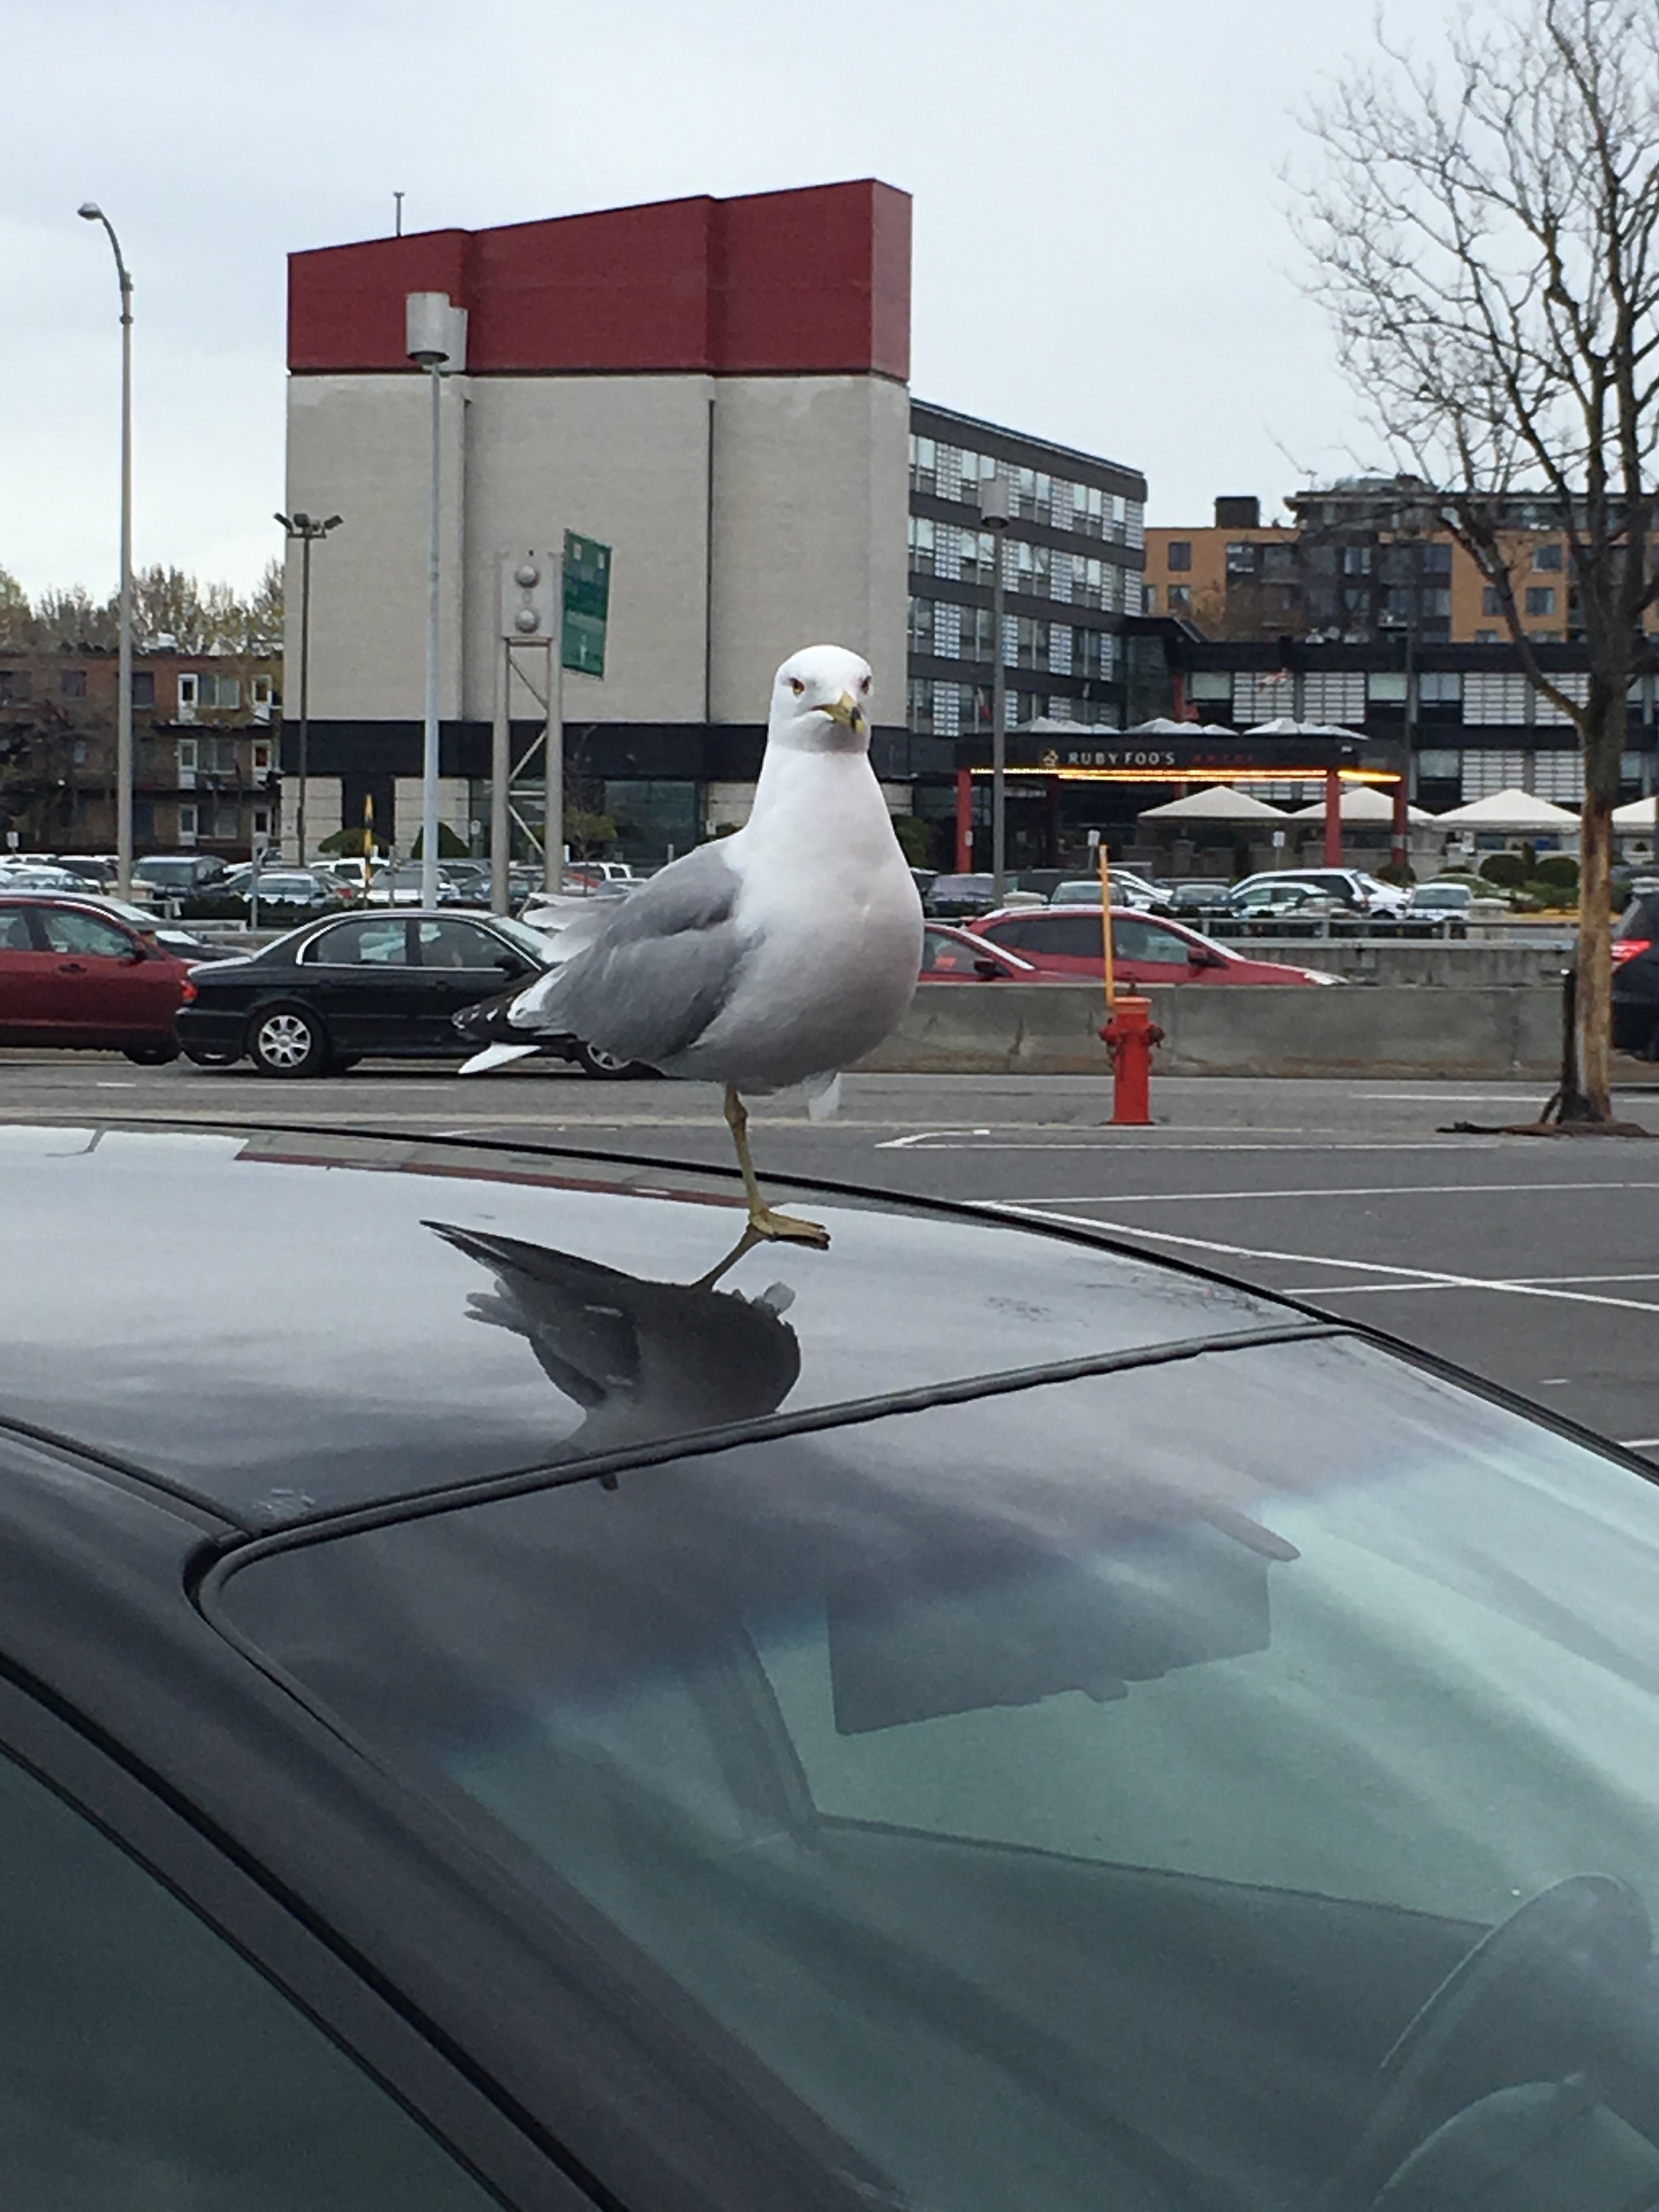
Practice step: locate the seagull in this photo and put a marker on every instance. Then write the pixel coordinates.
(764, 961)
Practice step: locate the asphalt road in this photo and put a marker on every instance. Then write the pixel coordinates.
(1533, 1261)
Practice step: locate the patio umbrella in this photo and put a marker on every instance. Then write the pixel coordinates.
(1213, 802)
(1637, 814)
(1513, 810)
(1361, 803)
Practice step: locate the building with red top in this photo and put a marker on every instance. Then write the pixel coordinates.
(718, 390)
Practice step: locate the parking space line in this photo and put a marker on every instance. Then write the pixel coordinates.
(1436, 1278)
(1339, 1190)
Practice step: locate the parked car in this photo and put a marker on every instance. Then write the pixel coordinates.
(174, 937)
(1146, 948)
(401, 886)
(1443, 899)
(1636, 977)
(956, 956)
(949, 898)
(975, 1718)
(1275, 900)
(1199, 894)
(1351, 887)
(278, 887)
(1128, 890)
(76, 975)
(359, 985)
(178, 875)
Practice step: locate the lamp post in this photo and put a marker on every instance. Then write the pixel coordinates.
(91, 212)
(1398, 832)
(994, 513)
(435, 338)
(307, 529)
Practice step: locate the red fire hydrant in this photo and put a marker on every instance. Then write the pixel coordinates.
(1130, 1037)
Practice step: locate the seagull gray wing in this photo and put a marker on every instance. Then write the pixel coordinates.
(651, 979)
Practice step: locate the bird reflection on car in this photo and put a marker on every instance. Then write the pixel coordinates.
(643, 1358)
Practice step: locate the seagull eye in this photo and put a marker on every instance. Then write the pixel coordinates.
(865, 687)
(797, 686)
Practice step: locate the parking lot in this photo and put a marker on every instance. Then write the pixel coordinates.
(1535, 1262)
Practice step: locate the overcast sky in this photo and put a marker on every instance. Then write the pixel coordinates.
(1101, 250)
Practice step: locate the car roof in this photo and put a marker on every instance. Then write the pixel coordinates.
(282, 1323)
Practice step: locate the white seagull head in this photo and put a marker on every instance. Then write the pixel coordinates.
(821, 702)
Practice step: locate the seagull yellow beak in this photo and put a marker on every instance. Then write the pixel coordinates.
(848, 712)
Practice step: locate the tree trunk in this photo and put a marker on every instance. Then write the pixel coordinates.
(1595, 1040)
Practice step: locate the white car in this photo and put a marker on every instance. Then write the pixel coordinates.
(1346, 887)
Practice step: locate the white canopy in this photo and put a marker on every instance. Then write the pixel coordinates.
(1361, 802)
(1513, 809)
(1213, 802)
(1285, 727)
(1637, 814)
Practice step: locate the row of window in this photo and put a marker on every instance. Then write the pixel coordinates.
(950, 710)
(202, 689)
(1046, 572)
(949, 632)
(1291, 556)
(217, 756)
(1342, 696)
(957, 472)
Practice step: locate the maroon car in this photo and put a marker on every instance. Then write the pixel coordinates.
(77, 975)
(1065, 940)
(955, 956)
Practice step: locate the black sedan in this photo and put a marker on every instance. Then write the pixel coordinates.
(1636, 977)
(513, 1708)
(337, 991)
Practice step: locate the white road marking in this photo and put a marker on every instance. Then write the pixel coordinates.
(1340, 1190)
(1437, 1276)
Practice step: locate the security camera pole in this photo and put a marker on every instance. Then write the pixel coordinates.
(435, 335)
(91, 212)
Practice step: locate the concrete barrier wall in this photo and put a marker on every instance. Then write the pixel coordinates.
(1432, 960)
(1386, 1030)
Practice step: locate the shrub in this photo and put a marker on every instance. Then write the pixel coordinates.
(1558, 871)
(1508, 870)
(1396, 871)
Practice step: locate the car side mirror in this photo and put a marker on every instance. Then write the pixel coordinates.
(509, 964)
(988, 970)
(1202, 955)
(134, 954)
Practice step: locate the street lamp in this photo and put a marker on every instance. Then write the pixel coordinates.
(435, 336)
(91, 212)
(994, 513)
(308, 530)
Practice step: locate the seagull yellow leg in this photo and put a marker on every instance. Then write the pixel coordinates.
(765, 1225)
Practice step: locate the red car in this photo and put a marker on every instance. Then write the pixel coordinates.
(955, 955)
(1065, 940)
(74, 975)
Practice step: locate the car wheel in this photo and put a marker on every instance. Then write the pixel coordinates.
(288, 1041)
(608, 1067)
(150, 1055)
(201, 1055)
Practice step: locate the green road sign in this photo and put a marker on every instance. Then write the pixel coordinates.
(587, 602)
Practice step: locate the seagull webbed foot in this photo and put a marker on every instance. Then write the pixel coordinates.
(767, 1225)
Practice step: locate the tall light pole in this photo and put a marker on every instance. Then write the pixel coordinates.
(308, 530)
(436, 336)
(994, 513)
(91, 212)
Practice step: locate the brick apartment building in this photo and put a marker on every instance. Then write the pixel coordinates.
(205, 751)
(1357, 563)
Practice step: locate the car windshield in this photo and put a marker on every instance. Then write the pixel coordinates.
(529, 941)
(1068, 1797)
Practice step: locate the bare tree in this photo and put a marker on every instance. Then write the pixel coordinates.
(1484, 235)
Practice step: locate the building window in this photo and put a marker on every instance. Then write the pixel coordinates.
(1030, 642)
(143, 687)
(263, 696)
(1181, 599)
(263, 756)
(1541, 599)
(1440, 687)
(1093, 653)
(1240, 559)
(187, 823)
(261, 822)
(186, 760)
(14, 686)
(921, 543)
(921, 625)
(1435, 602)
(1151, 598)
(1546, 557)
(1089, 509)
(978, 636)
(1356, 560)
(72, 683)
(1032, 564)
(1492, 601)
(1485, 637)
(1180, 554)
(921, 706)
(924, 465)
(1386, 685)
(1437, 559)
